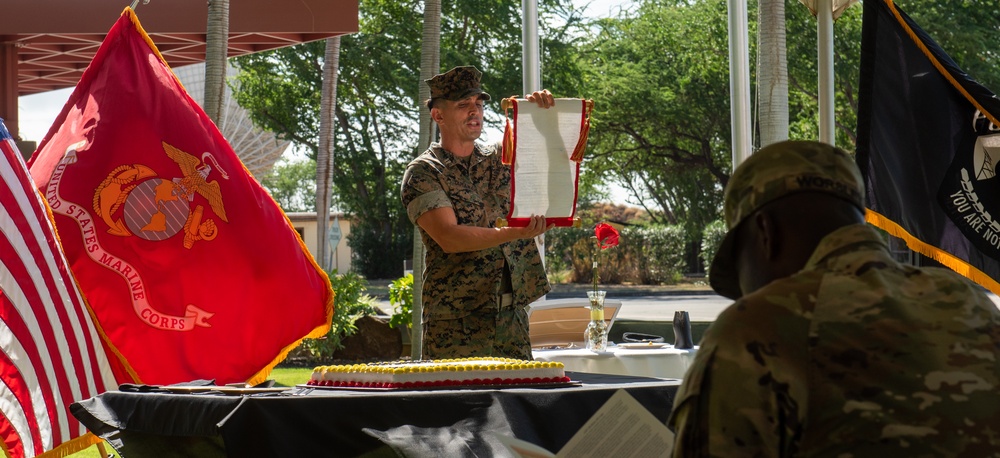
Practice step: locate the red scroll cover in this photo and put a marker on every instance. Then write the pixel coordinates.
(191, 268)
(544, 148)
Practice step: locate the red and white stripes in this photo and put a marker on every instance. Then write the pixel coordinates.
(52, 354)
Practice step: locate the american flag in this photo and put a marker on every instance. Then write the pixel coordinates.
(52, 351)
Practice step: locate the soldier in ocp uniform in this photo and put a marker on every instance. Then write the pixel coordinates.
(478, 279)
(833, 348)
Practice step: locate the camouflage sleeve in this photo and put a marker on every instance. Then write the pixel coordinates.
(421, 191)
(527, 272)
(686, 420)
(740, 397)
(499, 178)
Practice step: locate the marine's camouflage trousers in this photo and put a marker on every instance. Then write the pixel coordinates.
(490, 331)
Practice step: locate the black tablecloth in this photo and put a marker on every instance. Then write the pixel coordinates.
(346, 423)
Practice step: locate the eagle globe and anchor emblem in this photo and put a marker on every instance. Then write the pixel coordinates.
(154, 208)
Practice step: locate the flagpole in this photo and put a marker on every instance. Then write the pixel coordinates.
(531, 65)
(531, 73)
(739, 80)
(824, 46)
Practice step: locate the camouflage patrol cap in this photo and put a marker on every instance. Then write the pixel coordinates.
(457, 84)
(773, 172)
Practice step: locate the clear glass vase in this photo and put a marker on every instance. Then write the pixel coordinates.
(595, 337)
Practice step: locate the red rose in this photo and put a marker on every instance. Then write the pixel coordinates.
(607, 235)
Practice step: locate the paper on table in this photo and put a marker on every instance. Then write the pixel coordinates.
(621, 428)
(544, 180)
(524, 449)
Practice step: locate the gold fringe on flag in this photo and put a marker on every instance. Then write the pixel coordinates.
(71, 446)
(878, 220)
(317, 333)
(947, 259)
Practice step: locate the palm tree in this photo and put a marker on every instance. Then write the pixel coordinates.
(324, 155)
(772, 68)
(216, 45)
(430, 63)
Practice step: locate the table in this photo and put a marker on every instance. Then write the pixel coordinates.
(666, 362)
(333, 422)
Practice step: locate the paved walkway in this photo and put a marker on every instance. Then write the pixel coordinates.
(654, 303)
(657, 303)
(580, 289)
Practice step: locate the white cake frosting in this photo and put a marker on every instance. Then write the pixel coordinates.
(440, 373)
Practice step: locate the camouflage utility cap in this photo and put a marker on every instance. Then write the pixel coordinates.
(773, 172)
(457, 84)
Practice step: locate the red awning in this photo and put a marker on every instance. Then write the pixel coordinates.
(53, 48)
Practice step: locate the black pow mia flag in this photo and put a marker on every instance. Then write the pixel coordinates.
(928, 147)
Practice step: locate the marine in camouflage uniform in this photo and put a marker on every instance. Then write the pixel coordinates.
(464, 308)
(855, 355)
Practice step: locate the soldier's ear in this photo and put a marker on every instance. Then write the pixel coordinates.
(436, 115)
(767, 235)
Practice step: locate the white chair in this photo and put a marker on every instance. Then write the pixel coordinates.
(561, 322)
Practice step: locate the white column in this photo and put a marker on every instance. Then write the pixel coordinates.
(739, 80)
(531, 70)
(824, 46)
(530, 58)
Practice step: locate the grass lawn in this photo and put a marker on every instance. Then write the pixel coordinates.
(291, 376)
(283, 376)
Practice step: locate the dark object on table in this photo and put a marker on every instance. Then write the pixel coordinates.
(682, 331)
(640, 337)
(141, 388)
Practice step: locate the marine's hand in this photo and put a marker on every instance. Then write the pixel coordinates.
(543, 98)
(534, 228)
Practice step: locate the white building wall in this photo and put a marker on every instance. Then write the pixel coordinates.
(305, 224)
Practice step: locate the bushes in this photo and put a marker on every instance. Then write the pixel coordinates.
(644, 255)
(559, 248)
(710, 241)
(660, 252)
(350, 303)
(378, 250)
(401, 298)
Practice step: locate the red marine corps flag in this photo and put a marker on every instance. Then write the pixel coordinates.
(52, 354)
(190, 266)
(928, 147)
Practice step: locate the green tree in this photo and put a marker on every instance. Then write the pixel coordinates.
(373, 113)
(803, 97)
(661, 127)
(377, 102)
(292, 185)
(660, 75)
(966, 30)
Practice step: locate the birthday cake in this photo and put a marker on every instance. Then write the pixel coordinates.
(440, 373)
